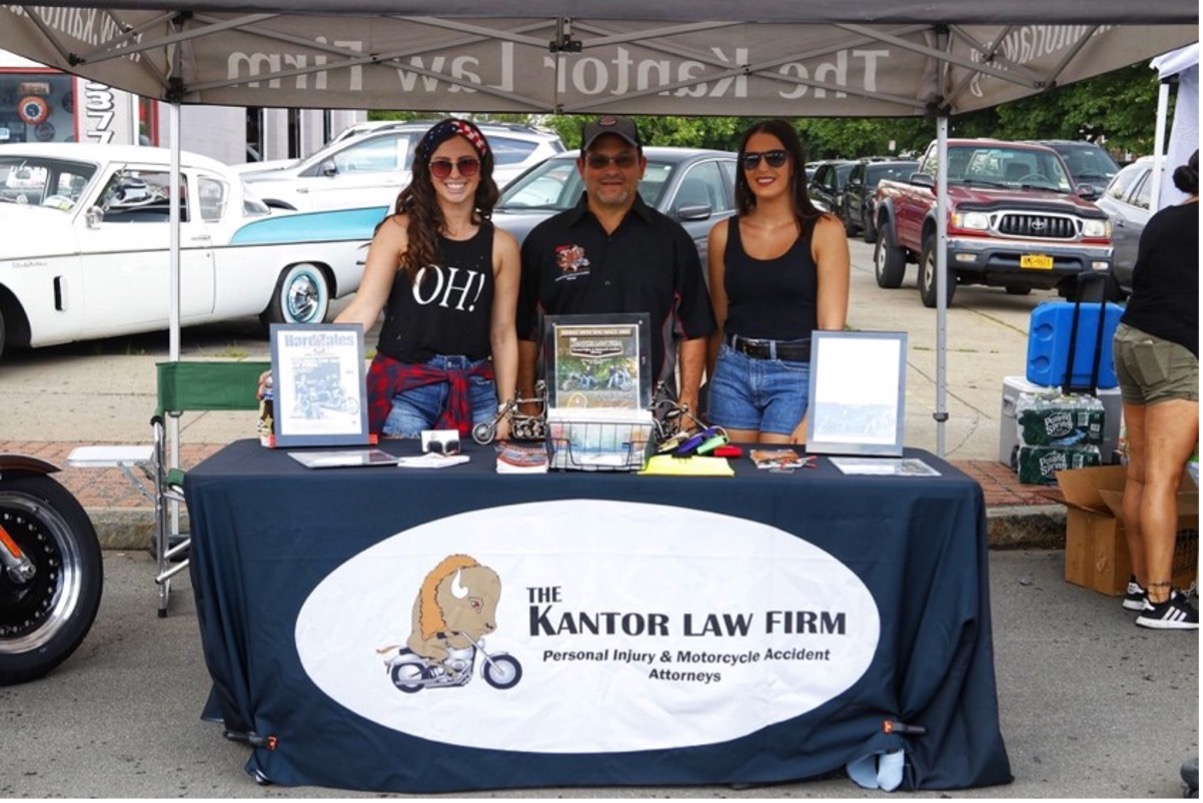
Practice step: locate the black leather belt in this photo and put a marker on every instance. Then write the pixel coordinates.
(790, 350)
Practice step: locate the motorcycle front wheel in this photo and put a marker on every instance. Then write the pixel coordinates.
(44, 618)
(502, 672)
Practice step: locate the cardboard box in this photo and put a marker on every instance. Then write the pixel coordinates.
(1096, 548)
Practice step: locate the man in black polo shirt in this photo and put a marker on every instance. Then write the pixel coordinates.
(614, 253)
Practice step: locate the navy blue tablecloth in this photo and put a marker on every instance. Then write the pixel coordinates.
(267, 531)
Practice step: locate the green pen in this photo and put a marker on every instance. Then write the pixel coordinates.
(712, 444)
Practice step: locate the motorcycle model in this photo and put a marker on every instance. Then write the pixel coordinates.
(51, 572)
(411, 672)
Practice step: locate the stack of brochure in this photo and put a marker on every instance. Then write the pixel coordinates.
(513, 458)
(777, 458)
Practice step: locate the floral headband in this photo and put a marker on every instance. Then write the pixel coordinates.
(445, 130)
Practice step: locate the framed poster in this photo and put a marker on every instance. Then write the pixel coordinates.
(857, 393)
(598, 362)
(318, 382)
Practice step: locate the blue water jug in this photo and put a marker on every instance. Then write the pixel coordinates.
(1049, 336)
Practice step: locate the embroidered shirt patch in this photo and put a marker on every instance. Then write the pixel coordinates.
(571, 261)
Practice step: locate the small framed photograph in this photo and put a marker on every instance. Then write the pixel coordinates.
(857, 393)
(598, 362)
(318, 385)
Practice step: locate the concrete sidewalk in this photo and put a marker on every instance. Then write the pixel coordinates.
(1018, 515)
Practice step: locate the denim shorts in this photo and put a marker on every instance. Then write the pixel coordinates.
(419, 408)
(1152, 370)
(758, 394)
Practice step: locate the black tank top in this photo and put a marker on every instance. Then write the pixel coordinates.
(772, 299)
(446, 310)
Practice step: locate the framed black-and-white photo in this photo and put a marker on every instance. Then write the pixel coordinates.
(857, 393)
(318, 385)
(598, 362)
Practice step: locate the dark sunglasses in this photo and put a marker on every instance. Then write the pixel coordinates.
(467, 165)
(623, 161)
(751, 159)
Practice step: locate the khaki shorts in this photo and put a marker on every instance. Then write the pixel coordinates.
(1152, 370)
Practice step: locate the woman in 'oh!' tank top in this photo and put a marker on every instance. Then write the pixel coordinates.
(778, 271)
(447, 281)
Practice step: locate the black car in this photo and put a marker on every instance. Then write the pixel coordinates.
(828, 182)
(856, 204)
(692, 186)
(1090, 167)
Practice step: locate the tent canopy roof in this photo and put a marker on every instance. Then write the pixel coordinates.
(786, 57)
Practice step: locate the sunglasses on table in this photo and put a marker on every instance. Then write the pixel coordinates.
(623, 161)
(467, 165)
(751, 159)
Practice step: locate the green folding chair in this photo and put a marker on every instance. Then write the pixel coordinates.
(186, 387)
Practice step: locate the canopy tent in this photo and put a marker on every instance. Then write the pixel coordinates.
(1181, 66)
(790, 58)
(797, 58)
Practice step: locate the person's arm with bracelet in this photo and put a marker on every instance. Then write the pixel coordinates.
(691, 360)
(527, 323)
(503, 338)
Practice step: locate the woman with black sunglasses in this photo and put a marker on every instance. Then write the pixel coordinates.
(447, 281)
(778, 271)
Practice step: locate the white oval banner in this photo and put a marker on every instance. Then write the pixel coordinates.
(611, 626)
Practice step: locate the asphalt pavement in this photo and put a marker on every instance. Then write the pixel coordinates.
(1091, 706)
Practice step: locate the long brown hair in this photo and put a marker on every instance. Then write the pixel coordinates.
(745, 199)
(420, 202)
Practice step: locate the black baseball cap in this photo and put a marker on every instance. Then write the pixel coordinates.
(609, 124)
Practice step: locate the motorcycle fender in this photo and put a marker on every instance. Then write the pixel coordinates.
(12, 465)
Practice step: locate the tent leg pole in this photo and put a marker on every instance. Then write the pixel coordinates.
(1163, 105)
(173, 292)
(942, 279)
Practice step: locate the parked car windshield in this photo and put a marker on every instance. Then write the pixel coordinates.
(556, 185)
(53, 183)
(992, 166)
(1089, 163)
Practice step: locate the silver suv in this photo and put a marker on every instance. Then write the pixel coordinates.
(370, 166)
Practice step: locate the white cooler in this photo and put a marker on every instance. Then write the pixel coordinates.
(1008, 434)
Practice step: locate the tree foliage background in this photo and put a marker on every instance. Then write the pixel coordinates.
(1118, 110)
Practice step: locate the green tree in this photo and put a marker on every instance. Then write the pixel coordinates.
(1117, 109)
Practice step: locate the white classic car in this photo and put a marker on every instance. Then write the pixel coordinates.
(85, 236)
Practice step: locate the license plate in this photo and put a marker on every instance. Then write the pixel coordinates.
(1036, 261)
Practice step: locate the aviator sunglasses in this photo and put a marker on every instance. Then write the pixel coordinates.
(751, 159)
(468, 167)
(623, 161)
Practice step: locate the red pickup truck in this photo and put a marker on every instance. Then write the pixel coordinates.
(1015, 221)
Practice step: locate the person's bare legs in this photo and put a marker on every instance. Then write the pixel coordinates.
(1171, 431)
(742, 435)
(1134, 483)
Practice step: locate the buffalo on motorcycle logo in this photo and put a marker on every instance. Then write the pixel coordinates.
(454, 610)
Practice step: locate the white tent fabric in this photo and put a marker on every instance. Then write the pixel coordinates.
(1184, 133)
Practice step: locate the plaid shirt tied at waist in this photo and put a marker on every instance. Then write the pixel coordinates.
(387, 377)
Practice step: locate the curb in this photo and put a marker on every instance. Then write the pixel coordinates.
(1026, 527)
(1020, 527)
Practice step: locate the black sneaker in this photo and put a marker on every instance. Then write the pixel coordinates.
(1173, 614)
(1134, 600)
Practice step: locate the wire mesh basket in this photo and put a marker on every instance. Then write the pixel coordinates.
(585, 444)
